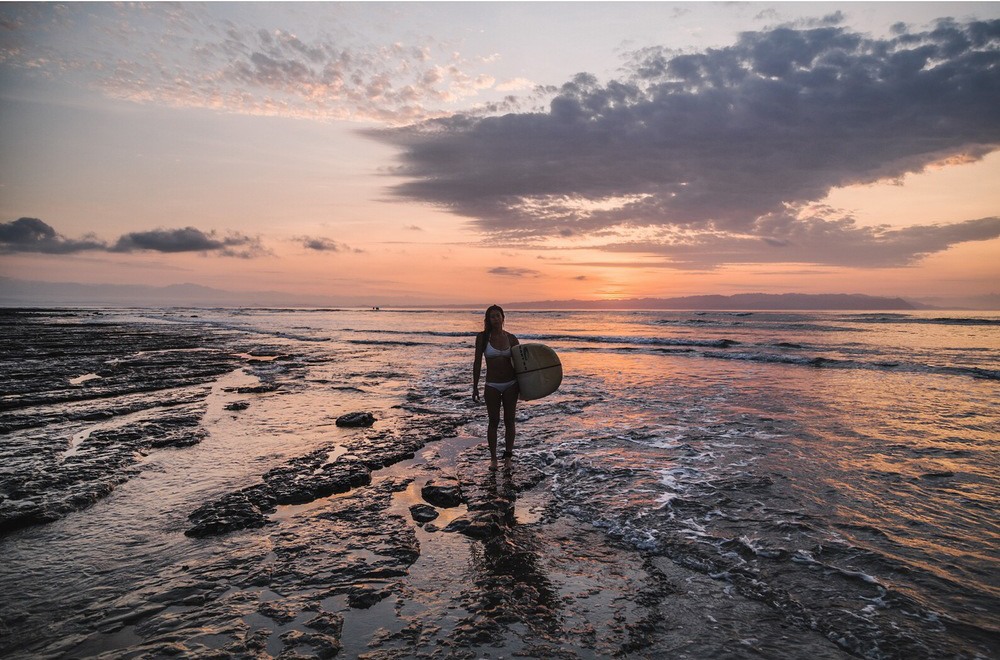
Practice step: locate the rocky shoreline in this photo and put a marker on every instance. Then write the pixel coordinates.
(510, 574)
(75, 372)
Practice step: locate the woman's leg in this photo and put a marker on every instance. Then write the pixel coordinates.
(509, 420)
(493, 408)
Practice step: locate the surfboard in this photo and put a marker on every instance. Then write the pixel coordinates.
(538, 370)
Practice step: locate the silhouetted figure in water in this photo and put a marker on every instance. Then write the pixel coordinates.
(501, 391)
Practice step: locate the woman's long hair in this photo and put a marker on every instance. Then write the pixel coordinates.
(486, 321)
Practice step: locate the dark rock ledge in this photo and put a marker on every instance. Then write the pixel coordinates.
(352, 553)
(39, 359)
(43, 483)
(307, 478)
(301, 481)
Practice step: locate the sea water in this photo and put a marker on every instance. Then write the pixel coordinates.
(842, 467)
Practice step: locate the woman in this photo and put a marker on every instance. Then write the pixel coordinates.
(501, 384)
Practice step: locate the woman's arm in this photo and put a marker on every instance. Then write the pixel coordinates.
(477, 367)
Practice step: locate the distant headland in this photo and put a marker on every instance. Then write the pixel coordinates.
(751, 301)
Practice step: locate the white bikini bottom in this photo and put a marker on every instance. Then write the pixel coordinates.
(502, 387)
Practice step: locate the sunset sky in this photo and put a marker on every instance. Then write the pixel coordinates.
(412, 153)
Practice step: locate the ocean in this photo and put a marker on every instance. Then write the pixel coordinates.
(838, 471)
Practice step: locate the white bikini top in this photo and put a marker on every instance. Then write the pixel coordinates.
(491, 352)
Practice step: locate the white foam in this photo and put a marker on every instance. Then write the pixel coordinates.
(673, 442)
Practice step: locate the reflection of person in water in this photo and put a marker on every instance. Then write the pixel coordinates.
(494, 343)
(511, 585)
(501, 497)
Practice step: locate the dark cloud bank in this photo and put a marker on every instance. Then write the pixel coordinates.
(190, 239)
(719, 156)
(34, 235)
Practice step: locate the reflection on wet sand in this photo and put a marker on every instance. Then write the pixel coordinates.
(510, 583)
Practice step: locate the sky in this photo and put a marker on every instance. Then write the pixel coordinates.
(382, 153)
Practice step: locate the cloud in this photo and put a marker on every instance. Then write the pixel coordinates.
(322, 244)
(623, 264)
(191, 56)
(506, 271)
(721, 147)
(835, 18)
(190, 239)
(413, 228)
(33, 235)
(515, 85)
(784, 239)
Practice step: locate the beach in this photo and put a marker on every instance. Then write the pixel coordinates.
(703, 485)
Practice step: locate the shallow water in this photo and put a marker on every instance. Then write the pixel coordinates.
(841, 468)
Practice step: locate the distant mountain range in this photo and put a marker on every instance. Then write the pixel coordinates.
(30, 293)
(754, 301)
